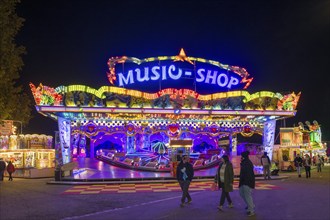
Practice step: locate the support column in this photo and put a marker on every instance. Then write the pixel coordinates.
(146, 141)
(233, 144)
(58, 150)
(91, 153)
(130, 144)
(64, 127)
(269, 137)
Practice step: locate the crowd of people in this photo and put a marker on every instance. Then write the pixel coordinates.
(224, 177)
(306, 162)
(224, 180)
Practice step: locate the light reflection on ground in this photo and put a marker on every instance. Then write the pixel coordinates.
(95, 169)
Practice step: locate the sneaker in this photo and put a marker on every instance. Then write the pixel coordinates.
(231, 205)
(220, 208)
(189, 201)
(250, 214)
(181, 205)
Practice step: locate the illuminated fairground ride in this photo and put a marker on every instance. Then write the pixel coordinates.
(181, 107)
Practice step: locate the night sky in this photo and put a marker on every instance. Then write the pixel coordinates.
(284, 45)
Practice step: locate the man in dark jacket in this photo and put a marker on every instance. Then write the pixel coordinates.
(298, 162)
(247, 182)
(185, 173)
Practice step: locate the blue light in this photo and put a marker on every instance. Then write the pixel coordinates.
(177, 111)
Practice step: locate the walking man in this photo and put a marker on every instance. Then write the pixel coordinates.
(247, 182)
(318, 160)
(265, 161)
(307, 165)
(185, 173)
(298, 161)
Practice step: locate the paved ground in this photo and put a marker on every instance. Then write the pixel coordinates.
(153, 187)
(290, 198)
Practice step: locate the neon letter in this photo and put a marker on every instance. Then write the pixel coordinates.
(210, 76)
(164, 73)
(225, 80)
(128, 80)
(146, 74)
(155, 71)
(201, 75)
(170, 73)
(233, 81)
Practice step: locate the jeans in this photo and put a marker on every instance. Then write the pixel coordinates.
(308, 171)
(299, 170)
(319, 167)
(185, 187)
(224, 195)
(245, 192)
(266, 171)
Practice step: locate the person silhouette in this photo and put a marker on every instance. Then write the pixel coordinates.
(185, 173)
(265, 161)
(247, 182)
(224, 178)
(2, 168)
(298, 161)
(10, 170)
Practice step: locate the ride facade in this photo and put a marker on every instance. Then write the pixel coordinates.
(160, 107)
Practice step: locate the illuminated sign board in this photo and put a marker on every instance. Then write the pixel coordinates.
(6, 127)
(154, 74)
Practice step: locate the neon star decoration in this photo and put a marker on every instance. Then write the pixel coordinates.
(183, 57)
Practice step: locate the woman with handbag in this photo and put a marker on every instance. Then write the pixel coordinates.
(224, 178)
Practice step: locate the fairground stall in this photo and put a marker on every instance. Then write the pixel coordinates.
(157, 101)
(302, 140)
(32, 154)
